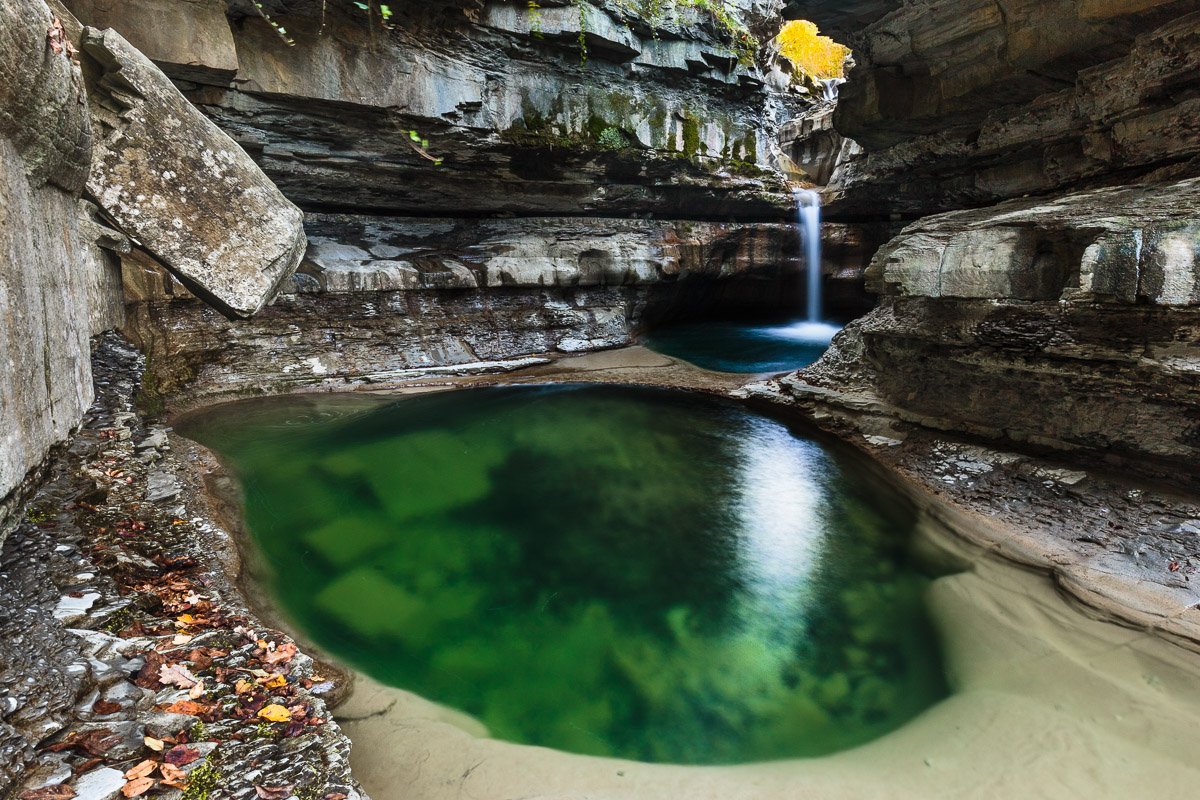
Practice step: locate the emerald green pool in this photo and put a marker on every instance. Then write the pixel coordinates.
(604, 570)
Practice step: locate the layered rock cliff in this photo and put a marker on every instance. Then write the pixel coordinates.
(484, 182)
(965, 104)
(91, 130)
(1066, 317)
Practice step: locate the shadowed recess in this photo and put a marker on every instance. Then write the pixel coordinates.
(603, 570)
(743, 348)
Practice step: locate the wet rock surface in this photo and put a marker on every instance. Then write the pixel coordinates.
(123, 640)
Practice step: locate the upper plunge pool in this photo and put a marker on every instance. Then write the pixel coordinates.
(604, 570)
(744, 348)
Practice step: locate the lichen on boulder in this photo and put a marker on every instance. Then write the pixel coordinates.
(186, 191)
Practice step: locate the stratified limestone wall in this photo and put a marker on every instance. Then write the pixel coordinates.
(663, 121)
(379, 299)
(1070, 324)
(962, 103)
(56, 287)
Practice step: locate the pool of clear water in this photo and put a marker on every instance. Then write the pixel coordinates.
(604, 570)
(742, 347)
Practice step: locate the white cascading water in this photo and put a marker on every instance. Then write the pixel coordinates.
(808, 219)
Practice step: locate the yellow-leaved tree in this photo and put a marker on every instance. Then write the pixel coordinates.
(814, 56)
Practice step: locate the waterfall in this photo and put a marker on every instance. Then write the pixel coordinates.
(812, 331)
(808, 217)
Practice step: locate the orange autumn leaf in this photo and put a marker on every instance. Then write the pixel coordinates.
(141, 770)
(243, 687)
(174, 776)
(189, 707)
(275, 713)
(137, 787)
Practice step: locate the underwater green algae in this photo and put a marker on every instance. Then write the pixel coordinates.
(603, 570)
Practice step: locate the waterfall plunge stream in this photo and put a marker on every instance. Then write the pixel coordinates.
(808, 222)
(736, 347)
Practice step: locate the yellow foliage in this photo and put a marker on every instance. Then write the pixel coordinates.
(275, 713)
(814, 55)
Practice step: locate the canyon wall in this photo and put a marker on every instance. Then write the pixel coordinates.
(96, 143)
(57, 287)
(1059, 311)
(963, 104)
(483, 182)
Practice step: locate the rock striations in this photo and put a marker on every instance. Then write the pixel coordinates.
(1060, 311)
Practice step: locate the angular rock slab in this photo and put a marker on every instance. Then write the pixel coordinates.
(186, 191)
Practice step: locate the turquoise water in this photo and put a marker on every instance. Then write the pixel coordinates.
(603, 570)
(744, 348)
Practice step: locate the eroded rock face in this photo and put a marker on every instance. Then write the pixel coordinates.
(378, 299)
(960, 105)
(188, 41)
(1127, 245)
(662, 121)
(187, 192)
(56, 288)
(1069, 324)
(356, 253)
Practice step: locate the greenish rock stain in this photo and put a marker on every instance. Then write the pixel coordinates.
(691, 137)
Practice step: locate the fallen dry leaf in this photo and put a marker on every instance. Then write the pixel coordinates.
(137, 787)
(181, 754)
(243, 687)
(154, 744)
(182, 638)
(95, 742)
(275, 681)
(275, 713)
(55, 791)
(273, 792)
(281, 654)
(147, 677)
(173, 776)
(86, 766)
(141, 770)
(197, 690)
(189, 707)
(176, 675)
(105, 707)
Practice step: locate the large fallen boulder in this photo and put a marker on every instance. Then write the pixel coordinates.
(181, 187)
